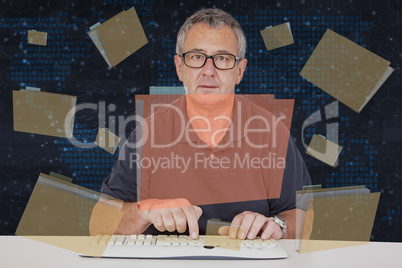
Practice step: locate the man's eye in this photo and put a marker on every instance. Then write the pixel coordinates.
(197, 57)
(222, 58)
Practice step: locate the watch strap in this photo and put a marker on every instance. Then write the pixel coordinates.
(278, 220)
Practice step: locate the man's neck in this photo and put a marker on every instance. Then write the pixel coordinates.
(208, 119)
(210, 111)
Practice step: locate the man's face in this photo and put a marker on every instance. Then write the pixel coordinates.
(209, 79)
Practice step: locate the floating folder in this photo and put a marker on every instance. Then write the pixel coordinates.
(43, 112)
(60, 214)
(277, 36)
(119, 37)
(335, 217)
(324, 150)
(345, 70)
(37, 38)
(60, 177)
(217, 235)
(107, 140)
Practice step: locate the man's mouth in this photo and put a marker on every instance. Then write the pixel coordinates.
(208, 89)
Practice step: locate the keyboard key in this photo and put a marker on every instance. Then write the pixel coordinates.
(131, 241)
(112, 241)
(257, 245)
(104, 240)
(141, 237)
(139, 242)
(162, 240)
(95, 240)
(148, 240)
(120, 240)
(248, 244)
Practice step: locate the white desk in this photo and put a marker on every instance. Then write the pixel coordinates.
(21, 252)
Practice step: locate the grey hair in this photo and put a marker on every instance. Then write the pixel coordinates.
(214, 18)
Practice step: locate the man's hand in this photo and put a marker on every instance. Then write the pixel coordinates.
(250, 224)
(172, 217)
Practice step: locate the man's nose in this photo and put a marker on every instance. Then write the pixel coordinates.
(209, 68)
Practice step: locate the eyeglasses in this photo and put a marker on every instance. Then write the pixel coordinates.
(222, 61)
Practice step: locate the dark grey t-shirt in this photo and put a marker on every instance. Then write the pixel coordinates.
(121, 184)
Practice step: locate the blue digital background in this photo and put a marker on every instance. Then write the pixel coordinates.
(70, 64)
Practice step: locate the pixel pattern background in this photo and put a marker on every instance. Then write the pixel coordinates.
(70, 64)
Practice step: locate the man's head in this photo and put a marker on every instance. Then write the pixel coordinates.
(214, 18)
(210, 32)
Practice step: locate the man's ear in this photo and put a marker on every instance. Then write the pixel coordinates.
(179, 65)
(242, 68)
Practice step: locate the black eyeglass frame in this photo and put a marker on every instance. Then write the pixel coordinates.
(209, 57)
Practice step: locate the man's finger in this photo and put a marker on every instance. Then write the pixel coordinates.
(168, 220)
(224, 230)
(155, 218)
(246, 224)
(257, 225)
(192, 221)
(235, 226)
(198, 211)
(180, 219)
(271, 230)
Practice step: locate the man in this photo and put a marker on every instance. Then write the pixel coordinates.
(210, 62)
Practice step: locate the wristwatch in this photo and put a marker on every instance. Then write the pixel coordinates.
(278, 220)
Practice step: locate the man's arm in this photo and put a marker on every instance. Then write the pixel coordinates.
(134, 220)
(104, 221)
(289, 216)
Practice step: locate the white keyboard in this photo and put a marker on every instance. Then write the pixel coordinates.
(183, 247)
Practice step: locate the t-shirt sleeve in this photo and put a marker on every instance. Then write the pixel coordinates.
(295, 176)
(121, 182)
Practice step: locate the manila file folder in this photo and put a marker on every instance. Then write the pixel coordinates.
(334, 218)
(324, 150)
(119, 37)
(37, 37)
(43, 113)
(277, 36)
(346, 71)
